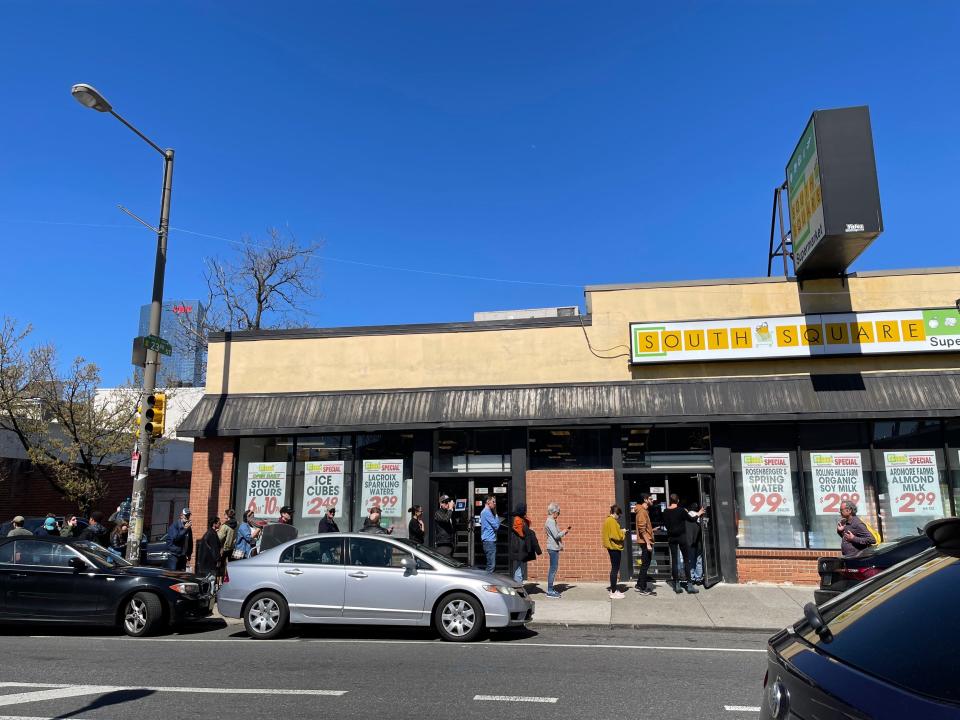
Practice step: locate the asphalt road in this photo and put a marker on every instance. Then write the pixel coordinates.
(215, 671)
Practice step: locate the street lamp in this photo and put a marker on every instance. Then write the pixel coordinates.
(88, 96)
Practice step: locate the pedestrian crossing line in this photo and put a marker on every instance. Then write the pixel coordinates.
(741, 708)
(56, 691)
(514, 698)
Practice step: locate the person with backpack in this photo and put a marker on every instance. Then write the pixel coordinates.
(854, 533)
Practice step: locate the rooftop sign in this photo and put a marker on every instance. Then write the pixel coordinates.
(833, 191)
(829, 334)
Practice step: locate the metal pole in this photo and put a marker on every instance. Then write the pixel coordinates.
(153, 360)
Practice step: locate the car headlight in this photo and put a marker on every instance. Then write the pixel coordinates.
(502, 589)
(186, 588)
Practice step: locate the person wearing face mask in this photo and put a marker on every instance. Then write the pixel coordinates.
(613, 536)
(443, 532)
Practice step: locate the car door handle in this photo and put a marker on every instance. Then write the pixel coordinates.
(18, 574)
(360, 574)
(295, 571)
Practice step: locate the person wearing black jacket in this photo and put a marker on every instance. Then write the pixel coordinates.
(415, 530)
(208, 550)
(95, 531)
(676, 518)
(443, 526)
(327, 523)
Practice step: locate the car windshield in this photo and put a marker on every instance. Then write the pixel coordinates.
(99, 554)
(431, 553)
(901, 627)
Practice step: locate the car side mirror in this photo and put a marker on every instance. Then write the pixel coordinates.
(77, 564)
(409, 566)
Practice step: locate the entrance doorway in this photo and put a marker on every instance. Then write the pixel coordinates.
(694, 489)
(469, 495)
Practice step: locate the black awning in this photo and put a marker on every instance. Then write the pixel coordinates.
(853, 396)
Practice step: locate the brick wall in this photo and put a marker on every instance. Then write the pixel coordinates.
(211, 488)
(585, 497)
(778, 566)
(27, 492)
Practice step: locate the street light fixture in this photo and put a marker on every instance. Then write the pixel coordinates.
(89, 97)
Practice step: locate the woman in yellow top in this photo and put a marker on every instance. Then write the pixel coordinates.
(613, 536)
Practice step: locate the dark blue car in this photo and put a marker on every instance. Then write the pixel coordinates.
(887, 648)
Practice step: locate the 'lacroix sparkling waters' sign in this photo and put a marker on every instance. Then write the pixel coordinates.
(913, 482)
(767, 484)
(383, 487)
(875, 333)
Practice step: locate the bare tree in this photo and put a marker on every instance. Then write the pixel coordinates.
(68, 432)
(267, 284)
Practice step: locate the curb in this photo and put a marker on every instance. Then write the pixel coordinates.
(648, 626)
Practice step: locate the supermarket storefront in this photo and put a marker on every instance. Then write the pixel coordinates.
(765, 400)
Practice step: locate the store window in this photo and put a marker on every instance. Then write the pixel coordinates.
(769, 509)
(473, 451)
(323, 479)
(953, 460)
(263, 476)
(569, 448)
(665, 445)
(385, 479)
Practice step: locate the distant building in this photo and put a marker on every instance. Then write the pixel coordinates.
(181, 324)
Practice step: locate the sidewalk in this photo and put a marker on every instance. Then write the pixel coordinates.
(743, 607)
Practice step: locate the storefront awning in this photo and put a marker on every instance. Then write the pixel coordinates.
(933, 394)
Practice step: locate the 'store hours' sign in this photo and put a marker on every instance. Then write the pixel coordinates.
(383, 486)
(266, 488)
(836, 477)
(913, 482)
(322, 488)
(767, 484)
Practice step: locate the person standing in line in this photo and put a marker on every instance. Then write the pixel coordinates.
(854, 535)
(227, 534)
(489, 525)
(118, 538)
(247, 534)
(286, 515)
(328, 524)
(208, 550)
(676, 518)
(554, 545)
(415, 529)
(18, 528)
(518, 549)
(372, 523)
(443, 526)
(645, 541)
(695, 541)
(613, 536)
(95, 531)
(70, 528)
(49, 527)
(180, 542)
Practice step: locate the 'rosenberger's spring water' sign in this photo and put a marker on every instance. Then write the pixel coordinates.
(266, 489)
(913, 482)
(322, 488)
(828, 334)
(767, 484)
(383, 486)
(836, 477)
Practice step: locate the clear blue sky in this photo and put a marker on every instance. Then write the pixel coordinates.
(545, 142)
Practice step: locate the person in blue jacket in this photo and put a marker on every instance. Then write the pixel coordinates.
(180, 542)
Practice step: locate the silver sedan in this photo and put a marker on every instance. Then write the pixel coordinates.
(364, 579)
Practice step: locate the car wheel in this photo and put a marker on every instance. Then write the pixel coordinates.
(266, 616)
(459, 618)
(142, 614)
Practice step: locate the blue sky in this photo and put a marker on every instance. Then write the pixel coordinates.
(551, 144)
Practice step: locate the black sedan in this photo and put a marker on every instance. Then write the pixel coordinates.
(839, 574)
(50, 579)
(887, 648)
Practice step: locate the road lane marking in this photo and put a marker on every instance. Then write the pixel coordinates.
(55, 691)
(514, 698)
(438, 643)
(741, 708)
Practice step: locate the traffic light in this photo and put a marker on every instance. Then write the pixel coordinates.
(156, 405)
(138, 420)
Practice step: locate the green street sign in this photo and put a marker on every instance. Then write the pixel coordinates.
(158, 344)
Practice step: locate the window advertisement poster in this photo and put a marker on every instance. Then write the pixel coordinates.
(322, 488)
(836, 477)
(913, 482)
(767, 484)
(383, 486)
(266, 489)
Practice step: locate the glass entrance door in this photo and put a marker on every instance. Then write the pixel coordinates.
(469, 495)
(710, 549)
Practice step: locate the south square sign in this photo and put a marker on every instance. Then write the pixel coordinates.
(833, 191)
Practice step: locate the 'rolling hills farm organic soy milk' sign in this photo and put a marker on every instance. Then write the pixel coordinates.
(870, 333)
